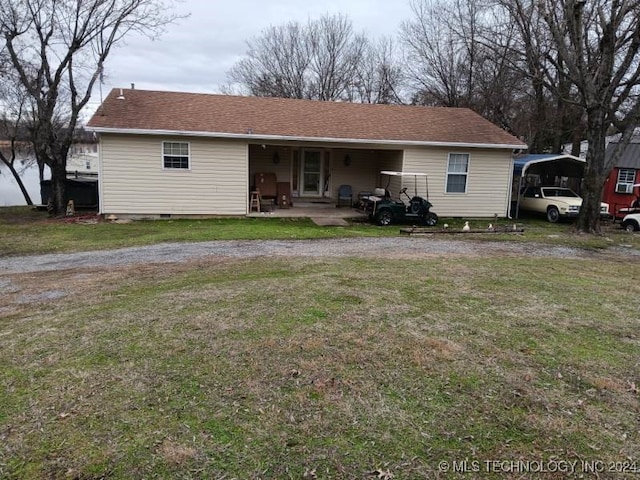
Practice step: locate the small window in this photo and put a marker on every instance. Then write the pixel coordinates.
(175, 155)
(626, 177)
(457, 171)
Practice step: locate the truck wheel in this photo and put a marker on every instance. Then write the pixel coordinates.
(384, 217)
(553, 215)
(430, 219)
(629, 226)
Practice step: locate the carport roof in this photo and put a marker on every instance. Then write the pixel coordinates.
(559, 165)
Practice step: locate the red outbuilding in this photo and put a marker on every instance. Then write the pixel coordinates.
(622, 188)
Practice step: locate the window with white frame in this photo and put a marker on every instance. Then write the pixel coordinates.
(626, 178)
(457, 171)
(175, 155)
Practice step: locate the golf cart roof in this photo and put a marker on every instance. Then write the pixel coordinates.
(403, 174)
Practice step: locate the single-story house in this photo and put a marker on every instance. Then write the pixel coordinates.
(619, 191)
(180, 154)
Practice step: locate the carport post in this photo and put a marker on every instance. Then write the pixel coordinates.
(518, 193)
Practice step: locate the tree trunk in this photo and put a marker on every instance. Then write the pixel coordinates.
(538, 143)
(58, 178)
(589, 218)
(40, 170)
(20, 183)
(594, 174)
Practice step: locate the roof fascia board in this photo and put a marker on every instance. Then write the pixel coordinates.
(240, 136)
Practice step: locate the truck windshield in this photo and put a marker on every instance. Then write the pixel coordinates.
(558, 192)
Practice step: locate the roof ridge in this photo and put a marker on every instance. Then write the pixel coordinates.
(289, 99)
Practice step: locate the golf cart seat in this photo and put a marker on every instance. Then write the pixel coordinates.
(383, 193)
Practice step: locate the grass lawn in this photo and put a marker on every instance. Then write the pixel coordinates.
(24, 231)
(323, 368)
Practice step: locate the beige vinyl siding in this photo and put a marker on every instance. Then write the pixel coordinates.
(359, 173)
(488, 180)
(134, 182)
(363, 173)
(262, 162)
(391, 161)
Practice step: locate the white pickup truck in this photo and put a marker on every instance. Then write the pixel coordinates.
(631, 222)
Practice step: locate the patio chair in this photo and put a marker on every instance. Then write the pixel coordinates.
(262, 204)
(267, 184)
(345, 193)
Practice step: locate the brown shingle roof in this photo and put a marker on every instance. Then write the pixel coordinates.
(258, 117)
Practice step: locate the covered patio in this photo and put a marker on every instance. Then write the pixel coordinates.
(312, 174)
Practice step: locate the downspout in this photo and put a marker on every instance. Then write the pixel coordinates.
(519, 190)
(510, 186)
(100, 187)
(247, 184)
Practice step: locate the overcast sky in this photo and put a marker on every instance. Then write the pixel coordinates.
(195, 54)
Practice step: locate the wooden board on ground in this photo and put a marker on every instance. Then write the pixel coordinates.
(449, 231)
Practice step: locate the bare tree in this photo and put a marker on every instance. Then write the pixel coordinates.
(521, 31)
(592, 64)
(323, 60)
(57, 49)
(336, 53)
(454, 61)
(13, 118)
(495, 58)
(379, 76)
(276, 64)
(442, 50)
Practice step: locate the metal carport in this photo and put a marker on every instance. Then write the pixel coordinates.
(548, 166)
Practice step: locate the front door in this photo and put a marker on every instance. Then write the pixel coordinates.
(312, 173)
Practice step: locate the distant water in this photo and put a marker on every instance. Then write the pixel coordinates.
(10, 193)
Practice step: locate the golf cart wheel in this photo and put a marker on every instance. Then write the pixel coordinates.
(553, 215)
(430, 219)
(384, 217)
(630, 226)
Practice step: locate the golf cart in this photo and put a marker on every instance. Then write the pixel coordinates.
(415, 209)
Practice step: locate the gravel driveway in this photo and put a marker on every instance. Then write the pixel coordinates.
(390, 247)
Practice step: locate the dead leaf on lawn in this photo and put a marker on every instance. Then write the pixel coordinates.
(382, 474)
(607, 383)
(176, 453)
(309, 474)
